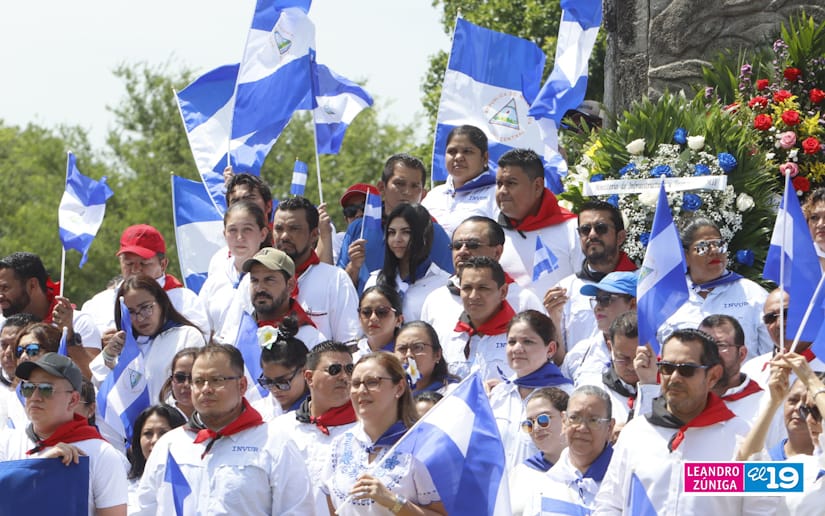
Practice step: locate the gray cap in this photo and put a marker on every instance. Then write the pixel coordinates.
(54, 364)
(272, 259)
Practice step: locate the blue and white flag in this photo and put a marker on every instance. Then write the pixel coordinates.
(802, 270)
(662, 286)
(180, 487)
(490, 82)
(81, 209)
(299, 178)
(198, 230)
(372, 216)
(337, 101)
(459, 443)
(544, 261)
(124, 393)
(45, 486)
(247, 343)
(63, 348)
(640, 504)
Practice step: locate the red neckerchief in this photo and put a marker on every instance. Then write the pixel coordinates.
(508, 279)
(171, 282)
(808, 354)
(312, 260)
(715, 412)
(625, 264)
(248, 418)
(496, 325)
(295, 310)
(751, 388)
(549, 214)
(78, 429)
(335, 416)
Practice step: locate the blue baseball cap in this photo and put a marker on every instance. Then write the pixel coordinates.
(615, 283)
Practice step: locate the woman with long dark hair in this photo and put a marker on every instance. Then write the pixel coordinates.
(417, 343)
(149, 426)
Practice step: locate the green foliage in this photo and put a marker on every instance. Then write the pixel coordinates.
(724, 73)
(805, 39)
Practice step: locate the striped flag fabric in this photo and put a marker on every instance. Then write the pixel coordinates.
(180, 487)
(247, 343)
(63, 348)
(662, 286)
(372, 216)
(299, 178)
(544, 261)
(198, 230)
(81, 210)
(336, 102)
(640, 504)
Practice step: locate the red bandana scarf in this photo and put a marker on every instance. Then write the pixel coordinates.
(295, 310)
(751, 388)
(171, 282)
(249, 418)
(496, 325)
(549, 214)
(336, 416)
(715, 412)
(312, 260)
(78, 429)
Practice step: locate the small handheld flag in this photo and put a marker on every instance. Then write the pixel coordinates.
(372, 215)
(63, 348)
(180, 487)
(299, 178)
(544, 261)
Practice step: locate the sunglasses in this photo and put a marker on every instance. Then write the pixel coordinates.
(351, 210)
(181, 378)
(601, 228)
(30, 349)
(703, 247)
(685, 370)
(282, 384)
(604, 300)
(380, 312)
(471, 245)
(47, 390)
(335, 369)
(542, 420)
(771, 317)
(813, 410)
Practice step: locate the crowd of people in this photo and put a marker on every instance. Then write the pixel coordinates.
(361, 333)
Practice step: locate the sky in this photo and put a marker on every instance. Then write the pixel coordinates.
(57, 57)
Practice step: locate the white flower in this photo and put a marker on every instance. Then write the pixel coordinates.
(636, 147)
(267, 335)
(744, 202)
(696, 142)
(792, 154)
(769, 155)
(649, 198)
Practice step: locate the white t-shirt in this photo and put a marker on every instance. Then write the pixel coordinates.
(451, 208)
(327, 295)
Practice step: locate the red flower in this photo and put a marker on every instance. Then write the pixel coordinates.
(792, 74)
(762, 84)
(758, 101)
(762, 122)
(811, 145)
(781, 96)
(790, 117)
(801, 184)
(816, 95)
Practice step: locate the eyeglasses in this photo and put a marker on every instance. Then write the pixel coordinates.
(592, 423)
(471, 245)
(180, 378)
(542, 420)
(380, 312)
(282, 383)
(335, 369)
(351, 210)
(217, 382)
(47, 390)
(703, 247)
(416, 348)
(604, 300)
(771, 317)
(601, 228)
(142, 312)
(371, 382)
(813, 410)
(685, 370)
(31, 350)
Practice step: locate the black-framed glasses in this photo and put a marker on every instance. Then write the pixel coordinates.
(381, 312)
(282, 383)
(371, 382)
(703, 247)
(593, 423)
(181, 378)
(471, 244)
(813, 410)
(143, 311)
(335, 369)
(47, 390)
(601, 228)
(351, 210)
(217, 382)
(604, 300)
(685, 370)
(31, 350)
(771, 317)
(416, 348)
(542, 421)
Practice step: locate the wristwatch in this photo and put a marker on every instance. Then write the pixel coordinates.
(400, 502)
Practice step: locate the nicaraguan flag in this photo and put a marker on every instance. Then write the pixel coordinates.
(180, 487)
(459, 443)
(544, 261)
(45, 486)
(247, 343)
(299, 178)
(124, 394)
(640, 504)
(802, 270)
(337, 101)
(372, 216)
(198, 230)
(490, 82)
(81, 209)
(63, 348)
(662, 286)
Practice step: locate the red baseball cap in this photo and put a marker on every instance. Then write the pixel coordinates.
(142, 240)
(358, 188)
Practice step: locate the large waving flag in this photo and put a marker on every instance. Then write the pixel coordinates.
(81, 209)
(45, 486)
(662, 286)
(801, 269)
(490, 82)
(198, 230)
(124, 394)
(337, 101)
(247, 343)
(459, 443)
(180, 487)
(567, 84)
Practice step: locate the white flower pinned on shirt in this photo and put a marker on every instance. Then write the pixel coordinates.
(267, 336)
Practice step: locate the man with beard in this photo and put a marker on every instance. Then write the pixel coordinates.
(601, 236)
(325, 292)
